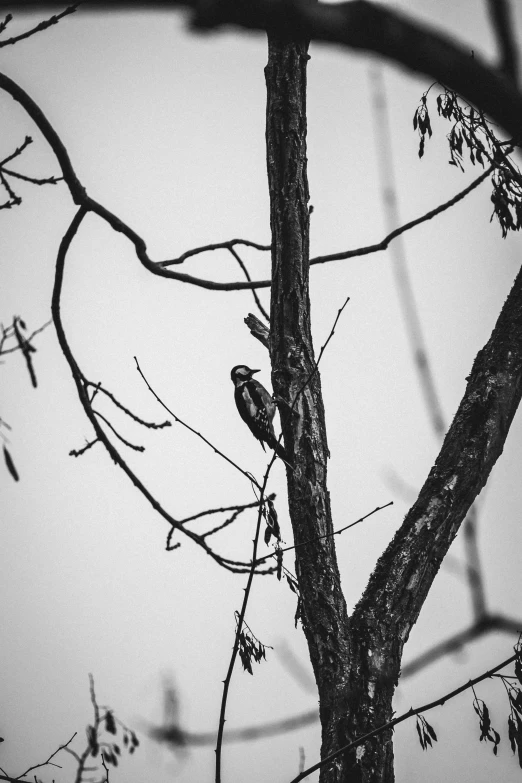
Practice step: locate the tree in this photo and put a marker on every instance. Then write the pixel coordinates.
(356, 657)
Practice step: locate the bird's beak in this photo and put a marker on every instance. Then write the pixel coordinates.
(253, 371)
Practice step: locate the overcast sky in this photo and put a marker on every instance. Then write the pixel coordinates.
(166, 129)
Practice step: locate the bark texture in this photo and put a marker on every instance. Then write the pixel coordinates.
(323, 608)
(474, 442)
(357, 660)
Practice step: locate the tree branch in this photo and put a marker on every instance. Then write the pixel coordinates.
(39, 27)
(239, 627)
(82, 389)
(502, 23)
(488, 623)
(475, 440)
(176, 418)
(80, 197)
(360, 24)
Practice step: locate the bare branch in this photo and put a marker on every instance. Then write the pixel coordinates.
(18, 151)
(191, 429)
(258, 329)
(152, 425)
(323, 348)
(44, 763)
(79, 452)
(120, 437)
(326, 535)
(231, 243)
(243, 506)
(27, 350)
(81, 386)
(486, 624)
(474, 442)
(368, 26)
(34, 180)
(4, 351)
(80, 196)
(13, 198)
(368, 249)
(8, 18)
(240, 621)
(41, 26)
(247, 275)
(175, 736)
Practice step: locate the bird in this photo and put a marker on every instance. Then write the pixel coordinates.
(257, 408)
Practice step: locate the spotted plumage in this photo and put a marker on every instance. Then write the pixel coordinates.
(256, 407)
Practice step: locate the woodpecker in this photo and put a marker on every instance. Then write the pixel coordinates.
(256, 407)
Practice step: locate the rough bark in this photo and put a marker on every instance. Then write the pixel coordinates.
(323, 608)
(357, 660)
(474, 442)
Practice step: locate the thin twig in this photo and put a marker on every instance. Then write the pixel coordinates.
(316, 365)
(3, 25)
(363, 251)
(151, 425)
(158, 268)
(216, 246)
(174, 735)
(195, 432)
(224, 524)
(360, 251)
(34, 180)
(326, 535)
(219, 510)
(79, 452)
(120, 437)
(27, 350)
(41, 26)
(14, 199)
(321, 352)
(80, 382)
(86, 753)
(489, 623)
(18, 151)
(239, 627)
(247, 275)
(43, 763)
(28, 339)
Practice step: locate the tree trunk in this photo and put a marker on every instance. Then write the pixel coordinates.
(357, 660)
(341, 670)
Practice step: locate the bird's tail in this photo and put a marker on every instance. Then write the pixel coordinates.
(280, 450)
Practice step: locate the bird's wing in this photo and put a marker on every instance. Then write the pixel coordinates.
(265, 397)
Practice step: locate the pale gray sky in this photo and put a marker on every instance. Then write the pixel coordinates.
(166, 129)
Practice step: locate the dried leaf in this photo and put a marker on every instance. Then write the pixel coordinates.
(421, 735)
(279, 564)
(110, 723)
(512, 734)
(518, 669)
(10, 465)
